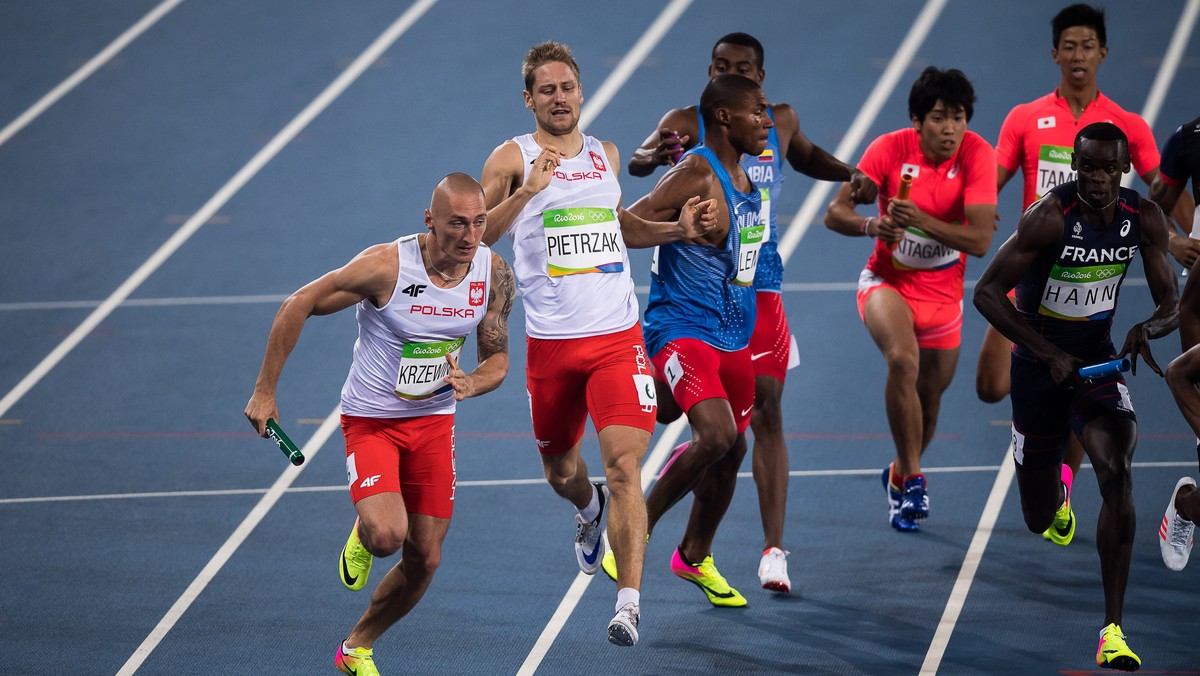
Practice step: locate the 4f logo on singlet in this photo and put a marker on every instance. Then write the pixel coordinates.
(414, 290)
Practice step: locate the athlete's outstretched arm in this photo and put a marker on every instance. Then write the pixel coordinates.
(1183, 374)
(371, 274)
(676, 199)
(491, 338)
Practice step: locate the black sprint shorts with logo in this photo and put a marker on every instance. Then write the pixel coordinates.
(1044, 414)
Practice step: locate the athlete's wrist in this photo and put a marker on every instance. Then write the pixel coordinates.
(866, 226)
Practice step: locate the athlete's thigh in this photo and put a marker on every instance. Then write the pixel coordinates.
(889, 320)
(427, 466)
(937, 370)
(557, 394)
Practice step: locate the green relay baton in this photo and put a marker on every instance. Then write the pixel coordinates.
(285, 444)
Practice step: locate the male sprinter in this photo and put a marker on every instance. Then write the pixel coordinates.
(555, 193)
(416, 300)
(699, 320)
(1036, 138)
(1067, 260)
(772, 347)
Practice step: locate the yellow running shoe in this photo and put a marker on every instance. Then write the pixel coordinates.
(706, 577)
(356, 562)
(1113, 653)
(1062, 530)
(609, 564)
(356, 662)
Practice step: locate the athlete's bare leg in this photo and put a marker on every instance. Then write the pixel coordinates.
(770, 458)
(714, 433)
(622, 448)
(1110, 443)
(936, 372)
(711, 498)
(567, 474)
(890, 323)
(404, 585)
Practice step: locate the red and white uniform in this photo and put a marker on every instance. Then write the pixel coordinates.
(1039, 137)
(586, 354)
(397, 410)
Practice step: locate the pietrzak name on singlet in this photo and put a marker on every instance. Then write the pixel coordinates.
(575, 243)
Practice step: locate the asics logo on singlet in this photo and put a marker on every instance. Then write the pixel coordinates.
(434, 311)
(1079, 254)
(1125, 227)
(579, 176)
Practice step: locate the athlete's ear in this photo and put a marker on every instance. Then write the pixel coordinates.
(429, 220)
(762, 75)
(1103, 53)
(916, 123)
(528, 99)
(1073, 163)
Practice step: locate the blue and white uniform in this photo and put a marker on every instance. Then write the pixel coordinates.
(706, 292)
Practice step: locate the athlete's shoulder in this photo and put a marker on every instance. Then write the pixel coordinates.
(973, 140)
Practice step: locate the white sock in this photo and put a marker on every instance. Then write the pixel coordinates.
(590, 512)
(628, 595)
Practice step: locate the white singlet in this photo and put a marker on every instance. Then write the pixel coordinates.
(400, 354)
(568, 254)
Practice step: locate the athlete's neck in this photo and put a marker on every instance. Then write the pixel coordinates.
(1078, 98)
(570, 144)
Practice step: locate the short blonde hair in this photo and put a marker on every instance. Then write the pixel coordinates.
(546, 52)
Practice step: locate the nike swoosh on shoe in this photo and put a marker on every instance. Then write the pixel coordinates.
(346, 577)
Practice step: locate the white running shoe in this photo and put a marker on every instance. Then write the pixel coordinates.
(589, 540)
(772, 571)
(1176, 534)
(622, 630)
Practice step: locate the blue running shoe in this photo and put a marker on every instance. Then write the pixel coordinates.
(915, 503)
(898, 522)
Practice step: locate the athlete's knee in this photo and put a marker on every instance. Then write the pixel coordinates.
(1037, 521)
(713, 442)
(767, 415)
(382, 539)
(902, 365)
(1114, 478)
(421, 562)
(989, 389)
(559, 472)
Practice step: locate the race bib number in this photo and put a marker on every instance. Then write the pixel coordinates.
(750, 241)
(673, 371)
(1080, 294)
(582, 240)
(1054, 168)
(918, 251)
(423, 367)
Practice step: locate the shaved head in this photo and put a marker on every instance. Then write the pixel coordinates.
(453, 185)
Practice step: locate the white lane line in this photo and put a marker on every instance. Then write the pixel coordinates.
(567, 606)
(86, 70)
(1170, 64)
(966, 574)
(226, 551)
(144, 302)
(633, 58)
(862, 122)
(227, 191)
(665, 444)
(1166, 72)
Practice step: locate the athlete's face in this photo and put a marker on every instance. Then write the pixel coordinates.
(1098, 167)
(1079, 55)
(735, 59)
(749, 124)
(941, 132)
(555, 99)
(456, 221)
